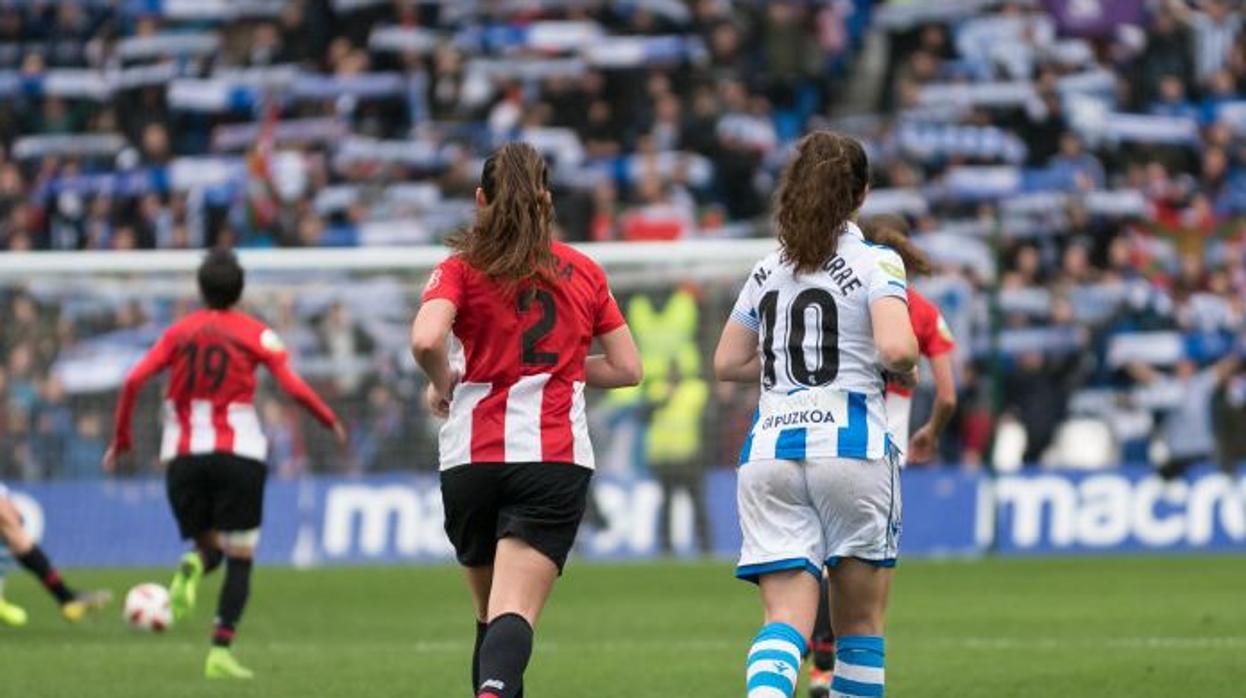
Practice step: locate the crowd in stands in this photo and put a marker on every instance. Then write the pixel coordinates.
(1078, 176)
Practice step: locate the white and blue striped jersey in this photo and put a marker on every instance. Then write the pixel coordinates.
(822, 386)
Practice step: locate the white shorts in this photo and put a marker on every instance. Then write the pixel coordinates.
(807, 514)
(4, 491)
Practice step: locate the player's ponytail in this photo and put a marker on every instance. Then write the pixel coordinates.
(511, 240)
(892, 231)
(819, 191)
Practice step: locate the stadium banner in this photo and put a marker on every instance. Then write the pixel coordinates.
(397, 519)
(1125, 510)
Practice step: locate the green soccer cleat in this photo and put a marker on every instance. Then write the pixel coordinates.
(185, 585)
(11, 615)
(221, 664)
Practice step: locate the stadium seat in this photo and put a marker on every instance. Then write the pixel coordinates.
(1084, 443)
(1010, 442)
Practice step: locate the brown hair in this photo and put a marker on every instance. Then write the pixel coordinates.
(817, 194)
(893, 231)
(511, 239)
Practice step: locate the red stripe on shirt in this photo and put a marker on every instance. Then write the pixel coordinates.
(557, 441)
(182, 411)
(489, 428)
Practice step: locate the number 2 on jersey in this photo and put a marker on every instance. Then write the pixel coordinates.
(213, 367)
(540, 329)
(827, 332)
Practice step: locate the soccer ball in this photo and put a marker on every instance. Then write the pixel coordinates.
(147, 608)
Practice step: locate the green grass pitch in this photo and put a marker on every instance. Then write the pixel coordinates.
(1101, 628)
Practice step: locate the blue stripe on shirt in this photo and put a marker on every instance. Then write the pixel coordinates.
(791, 444)
(746, 319)
(746, 452)
(854, 437)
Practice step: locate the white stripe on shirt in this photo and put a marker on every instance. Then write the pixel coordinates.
(202, 431)
(582, 445)
(523, 419)
(456, 433)
(249, 439)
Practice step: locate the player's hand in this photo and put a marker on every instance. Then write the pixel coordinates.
(341, 435)
(906, 380)
(437, 403)
(112, 457)
(923, 445)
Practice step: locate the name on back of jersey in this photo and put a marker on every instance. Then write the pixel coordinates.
(804, 408)
(842, 274)
(837, 268)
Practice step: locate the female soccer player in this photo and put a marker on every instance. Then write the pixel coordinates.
(934, 341)
(819, 321)
(17, 545)
(515, 453)
(213, 444)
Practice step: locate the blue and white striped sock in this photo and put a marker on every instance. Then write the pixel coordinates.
(774, 661)
(858, 667)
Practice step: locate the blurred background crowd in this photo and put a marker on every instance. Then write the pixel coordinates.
(1075, 168)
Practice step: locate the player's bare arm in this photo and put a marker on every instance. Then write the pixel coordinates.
(429, 333)
(893, 334)
(736, 359)
(619, 364)
(925, 441)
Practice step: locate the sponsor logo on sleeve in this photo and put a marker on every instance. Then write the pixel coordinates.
(895, 271)
(434, 280)
(271, 342)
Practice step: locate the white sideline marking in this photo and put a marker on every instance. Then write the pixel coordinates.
(1005, 644)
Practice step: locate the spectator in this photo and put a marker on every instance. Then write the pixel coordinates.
(1186, 429)
(676, 451)
(1228, 416)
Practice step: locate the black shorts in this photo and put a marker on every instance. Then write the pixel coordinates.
(538, 503)
(216, 492)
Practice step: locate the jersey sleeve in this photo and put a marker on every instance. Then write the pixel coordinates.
(941, 340)
(153, 362)
(273, 355)
(934, 337)
(744, 311)
(886, 277)
(608, 315)
(446, 282)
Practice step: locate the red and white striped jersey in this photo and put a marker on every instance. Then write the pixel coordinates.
(209, 404)
(521, 398)
(934, 338)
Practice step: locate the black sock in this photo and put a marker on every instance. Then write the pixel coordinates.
(823, 635)
(39, 565)
(211, 558)
(481, 627)
(233, 599)
(504, 655)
